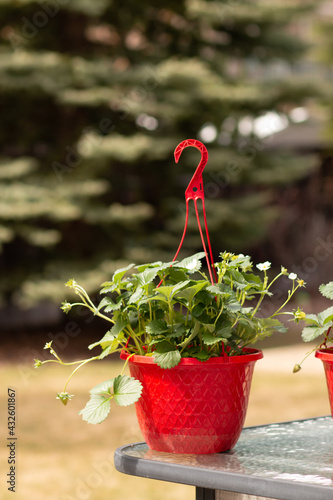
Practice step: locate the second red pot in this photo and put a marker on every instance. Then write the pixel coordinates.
(326, 355)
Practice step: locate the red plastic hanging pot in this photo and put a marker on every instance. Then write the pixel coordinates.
(326, 355)
(195, 407)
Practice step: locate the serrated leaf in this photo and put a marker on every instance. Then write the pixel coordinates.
(327, 290)
(198, 310)
(147, 276)
(224, 332)
(192, 264)
(158, 264)
(312, 319)
(115, 306)
(165, 291)
(119, 325)
(108, 350)
(242, 261)
(178, 330)
(233, 306)
(271, 324)
(238, 280)
(109, 340)
(254, 280)
(136, 296)
(108, 286)
(310, 333)
(119, 274)
(200, 355)
(167, 359)
(210, 339)
(96, 410)
(176, 275)
(189, 293)
(106, 302)
(193, 334)
(221, 289)
(104, 388)
(157, 327)
(179, 286)
(325, 316)
(126, 390)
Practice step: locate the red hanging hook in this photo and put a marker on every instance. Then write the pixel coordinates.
(195, 192)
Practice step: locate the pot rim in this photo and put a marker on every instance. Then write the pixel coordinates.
(250, 355)
(325, 354)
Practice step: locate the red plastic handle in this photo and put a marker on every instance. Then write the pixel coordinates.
(195, 191)
(195, 188)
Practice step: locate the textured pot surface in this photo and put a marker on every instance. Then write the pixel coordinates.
(326, 355)
(195, 407)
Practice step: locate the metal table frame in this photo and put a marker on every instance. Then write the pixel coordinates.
(285, 461)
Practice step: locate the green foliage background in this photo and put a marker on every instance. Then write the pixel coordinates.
(96, 96)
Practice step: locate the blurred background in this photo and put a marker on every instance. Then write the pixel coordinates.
(95, 96)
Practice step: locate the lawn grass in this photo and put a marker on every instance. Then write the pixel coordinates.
(60, 457)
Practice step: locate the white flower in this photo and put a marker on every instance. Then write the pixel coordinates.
(264, 266)
(292, 276)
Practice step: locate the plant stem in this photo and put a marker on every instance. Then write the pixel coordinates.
(77, 368)
(290, 294)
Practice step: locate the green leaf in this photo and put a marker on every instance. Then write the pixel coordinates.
(147, 276)
(178, 330)
(126, 390)
(157, 327)
(237, 279)
(167, 359)
(108, 286)
(326, 316)
(165, 291)
(200, 355)
(119, 274)
(327, 290)
(189, 293)
(113, 306)
(119, 325)
(312, 319)
(233, 306)
(191, 264)
(254, 280)
(96, 410)
(271, 324)
(198, 310)
(180, 286)
(175, 275)
(109, 340)
(242, 261)
(108, 350)
(224, 332)
(108, 304)
(158, 264)
(104, 388)
(211, 339)
(221, 289)
(193, 334)
(136, 296)
(310, 333)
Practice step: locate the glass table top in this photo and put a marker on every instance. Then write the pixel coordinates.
(297, 453)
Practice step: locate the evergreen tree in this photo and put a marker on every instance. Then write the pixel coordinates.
(96, 96)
